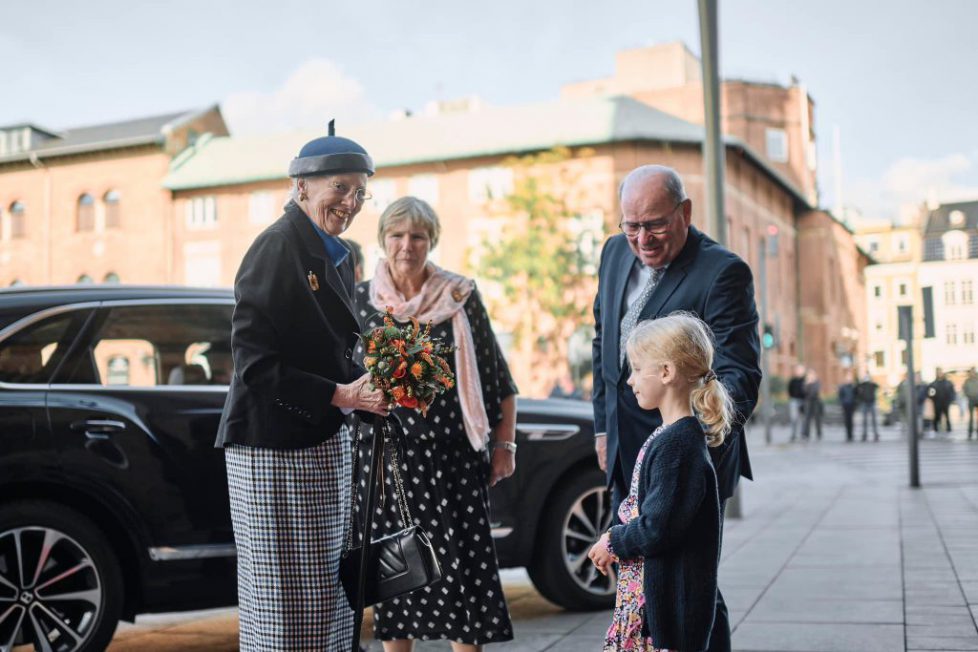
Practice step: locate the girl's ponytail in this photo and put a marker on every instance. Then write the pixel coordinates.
(712, 404)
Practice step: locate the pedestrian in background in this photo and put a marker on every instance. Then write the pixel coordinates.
(813, 405)
(866, 396)
(942, 395)
(847, 399)
(796, 399)
(970, 391)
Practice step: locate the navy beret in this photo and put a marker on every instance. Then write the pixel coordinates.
(331, 155)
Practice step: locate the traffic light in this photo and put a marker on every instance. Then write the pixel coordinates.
(767, 338)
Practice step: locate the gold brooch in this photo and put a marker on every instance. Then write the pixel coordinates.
(313, 281)
(456, 295)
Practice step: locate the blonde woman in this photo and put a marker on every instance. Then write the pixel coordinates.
(454, 453)
(668, 547)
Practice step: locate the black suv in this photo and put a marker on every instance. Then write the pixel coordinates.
(113, 500)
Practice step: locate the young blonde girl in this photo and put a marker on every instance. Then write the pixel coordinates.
(667, 548)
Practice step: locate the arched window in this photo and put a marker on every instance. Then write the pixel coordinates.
(86, 214)
(18, 220)
(84, 279)
(111, 277)
(113, 217)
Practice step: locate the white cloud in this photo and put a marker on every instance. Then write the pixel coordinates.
(909, 182)
(313, 94)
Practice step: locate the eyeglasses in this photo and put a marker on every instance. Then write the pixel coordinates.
(360, 195)
(658, 226)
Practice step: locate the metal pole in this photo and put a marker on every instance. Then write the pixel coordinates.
(766, 407)
(713, 153)
(906, 327)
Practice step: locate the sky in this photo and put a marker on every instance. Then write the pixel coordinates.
(898, 79)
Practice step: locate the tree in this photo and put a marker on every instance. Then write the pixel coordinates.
(541, 267)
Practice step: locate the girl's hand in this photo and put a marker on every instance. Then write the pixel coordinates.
(600, 554)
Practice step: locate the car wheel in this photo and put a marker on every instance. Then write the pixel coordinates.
(60, 583)
(576, 516)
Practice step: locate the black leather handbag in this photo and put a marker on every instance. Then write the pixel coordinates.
(398, 563)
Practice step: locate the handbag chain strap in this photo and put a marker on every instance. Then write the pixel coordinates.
(402, 503)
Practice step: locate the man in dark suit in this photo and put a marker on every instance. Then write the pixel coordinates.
(660, 264)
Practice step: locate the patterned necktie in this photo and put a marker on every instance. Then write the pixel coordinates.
(631, 317)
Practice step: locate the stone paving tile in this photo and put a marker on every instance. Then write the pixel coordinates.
(801, 637)
(804, 609)
(942, 643)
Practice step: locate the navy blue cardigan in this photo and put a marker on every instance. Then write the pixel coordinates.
(678, 533)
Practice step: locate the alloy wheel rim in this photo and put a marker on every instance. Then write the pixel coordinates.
(50, 593)
(588, 518)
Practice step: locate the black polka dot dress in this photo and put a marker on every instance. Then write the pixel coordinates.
(447, 485)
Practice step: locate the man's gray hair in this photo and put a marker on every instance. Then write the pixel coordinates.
(673, 183)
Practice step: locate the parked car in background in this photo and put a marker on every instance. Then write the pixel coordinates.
(113, 500)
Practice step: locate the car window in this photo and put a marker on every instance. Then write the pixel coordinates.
(33, 353)
(150, 346)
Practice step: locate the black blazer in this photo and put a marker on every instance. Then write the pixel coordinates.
(717, 286)
(291, 342)
(677, 532)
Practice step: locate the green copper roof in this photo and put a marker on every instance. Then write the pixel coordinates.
(490, 131)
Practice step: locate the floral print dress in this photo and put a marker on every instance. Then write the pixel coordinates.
(625, 632)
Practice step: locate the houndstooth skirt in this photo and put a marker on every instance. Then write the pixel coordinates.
(289, 509)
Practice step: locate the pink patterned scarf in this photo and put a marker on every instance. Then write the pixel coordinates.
(442, 297)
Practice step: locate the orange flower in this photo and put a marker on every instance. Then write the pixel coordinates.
(397, 393)
(369, 361)
(408, 402)
(371, 346)
(417, 369)
(427, 358)
(401, 369)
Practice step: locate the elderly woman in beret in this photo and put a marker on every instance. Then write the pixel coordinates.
(454, 453)
(286, 447)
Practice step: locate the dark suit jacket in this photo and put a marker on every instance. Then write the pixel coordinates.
(291, 343)
(717, 286)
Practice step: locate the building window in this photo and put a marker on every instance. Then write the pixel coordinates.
(85, 219)
(877, 291)
(967, 294)
(955, 245)
(951, 334)
(111, 278)
(202, 212)
(968, 336)
(261, 207)
(874, 246)
(879, 327)
(973, 246)
(424, 186)
(18, 220)
(84, 279)
(949, 293)
(486, 184)
(113, 217)
(879, 359)
(777, 145)
(902, 289)
(902, 244)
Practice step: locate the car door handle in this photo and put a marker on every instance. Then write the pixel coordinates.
(98, 428)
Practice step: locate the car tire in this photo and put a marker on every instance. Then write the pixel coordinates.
(574, 518)
(75, 598)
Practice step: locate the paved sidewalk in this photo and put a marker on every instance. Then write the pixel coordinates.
(834, 553)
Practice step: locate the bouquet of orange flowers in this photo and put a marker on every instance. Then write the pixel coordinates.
(407, 363)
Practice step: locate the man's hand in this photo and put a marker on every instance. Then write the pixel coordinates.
(601, 450)
(359, 396)
(503, 465)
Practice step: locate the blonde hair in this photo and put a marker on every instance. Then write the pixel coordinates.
(684, 340)
(414, 211)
